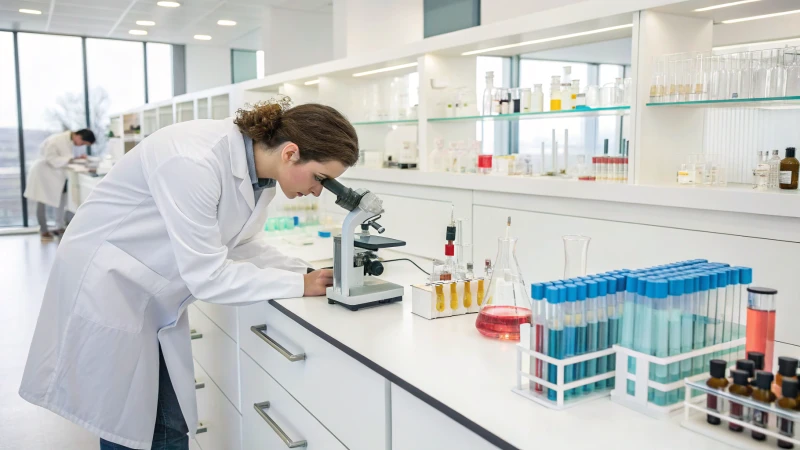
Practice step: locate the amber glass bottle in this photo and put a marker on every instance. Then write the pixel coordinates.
(740, 387)
(789, 170)
(787, 401)
(717, 381)
(762, 393)
(748, 366)
(787, 368)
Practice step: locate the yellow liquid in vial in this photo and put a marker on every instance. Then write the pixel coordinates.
(467, 295)
(480, 292)
(555, 104)
(453, 297)
(653, 90)
(439, 298)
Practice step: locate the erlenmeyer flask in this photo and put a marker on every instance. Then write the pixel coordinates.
(508, 303)
(576, 249)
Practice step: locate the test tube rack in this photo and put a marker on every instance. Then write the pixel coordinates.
(424, 298)
(640, 375)
(560, 387)
(697, 422)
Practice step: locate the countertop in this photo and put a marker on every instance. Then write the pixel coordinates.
(449, 365)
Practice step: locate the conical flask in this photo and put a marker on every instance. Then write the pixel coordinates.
(508, 303)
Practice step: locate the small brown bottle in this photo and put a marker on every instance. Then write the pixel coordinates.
(758, 360)
(787, 368)
(762, 393)
(717, 381)
(740, 387)
(787, 401)
(748, 366)
(789, 170)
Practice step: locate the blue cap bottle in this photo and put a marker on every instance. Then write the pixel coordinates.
(745, 275)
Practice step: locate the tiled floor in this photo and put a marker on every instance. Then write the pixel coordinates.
(24, 266)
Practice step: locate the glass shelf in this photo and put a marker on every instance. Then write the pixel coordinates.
(788, 102)
(589, 112)
(387, 122)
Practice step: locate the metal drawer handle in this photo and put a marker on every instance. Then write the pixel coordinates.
(201, 428)
(199, 384)
(195, 334)
(261, 331)
(260, 407)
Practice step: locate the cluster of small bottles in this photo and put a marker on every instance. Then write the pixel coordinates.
(604, 168)
(681, 307)
(750, 380)
(574, 317)
(458, 157)
(701, 170)
(774, 172)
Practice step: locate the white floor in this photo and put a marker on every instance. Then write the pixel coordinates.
(24, 266)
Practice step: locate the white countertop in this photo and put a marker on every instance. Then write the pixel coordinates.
(473, 375)
(733, 198)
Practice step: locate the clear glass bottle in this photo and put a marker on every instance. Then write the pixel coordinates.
(774, 169)
(525, 94)
(488, 96)
(504, 97)
(566, 96)
(555, 93)
(575, 89)
(537, 99)
(437, 157)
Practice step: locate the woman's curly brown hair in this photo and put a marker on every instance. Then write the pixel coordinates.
(320, 132)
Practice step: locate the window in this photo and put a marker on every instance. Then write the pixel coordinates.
(116, 82)
(159, 72)
(10, 177)
(244, 65)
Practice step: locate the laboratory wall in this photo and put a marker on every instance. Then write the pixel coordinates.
(207, 66)
(364, 26)
(292, 39)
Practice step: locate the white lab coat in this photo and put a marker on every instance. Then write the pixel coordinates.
(174, 220)
(45, 181)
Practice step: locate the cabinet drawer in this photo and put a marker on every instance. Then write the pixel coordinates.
(216, 352)
(223, 316)
(419, 426)
(288, 416)
(346, 396)
(220, 421)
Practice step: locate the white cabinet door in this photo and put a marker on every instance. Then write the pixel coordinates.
(418, 426)
(287, 417)
(219, 421)
(216, 352)
(223, 316)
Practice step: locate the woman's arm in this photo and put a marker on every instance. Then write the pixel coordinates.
(257, 251)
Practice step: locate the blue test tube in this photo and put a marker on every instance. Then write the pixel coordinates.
(731, 310)
(745, 280)
(555, 334)
(711, 316)
(700, 301)
(580, 333)
(539, 334)
(570, 295)
(628, 322)
(680, 323)
(606, 307)
(614, 327)
(592, 332)
(719, 331)
(656, 292)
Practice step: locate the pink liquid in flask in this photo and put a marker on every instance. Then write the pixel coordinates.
(502, 321)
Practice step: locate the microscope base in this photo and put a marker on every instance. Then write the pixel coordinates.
(373, 293)
(366, 305)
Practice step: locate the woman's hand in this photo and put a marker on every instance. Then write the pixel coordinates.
(314, 283)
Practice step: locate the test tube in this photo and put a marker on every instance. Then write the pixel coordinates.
(711, 327)
(628, 322)
(595, 301)
(606, 305)
(555, 333)
(723, 327)
(570, 294)
(745, 280)
(614, 327)
(658, 335)
(700, 318)
(731, 311)
(538, 366)
(579, 318)
(676, 301)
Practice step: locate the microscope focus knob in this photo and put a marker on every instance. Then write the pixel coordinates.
(375, 268)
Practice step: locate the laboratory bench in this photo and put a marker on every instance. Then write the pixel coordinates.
(383, 378)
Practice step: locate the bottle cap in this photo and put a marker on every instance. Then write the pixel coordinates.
(449, 250)
(790, 152)
(745, 275)
(551, 294)
(537, 290)
(789, 388)
(787, 367)
(562, 294)
(662, 288)
(688, 284)
(717, 368)
(611, 284)
(676, 286)
(642, 286)
(739, 377)
(722, 278)
(745, 365)
(733, 275)
(650, 287)
(581, 290)
(762, 290)
(558, 282)
(712, 280)
(757, 358)
(764, 379)
(703, 278)
(620, 282)
(572, 292)
(602, 287)
(631, 281)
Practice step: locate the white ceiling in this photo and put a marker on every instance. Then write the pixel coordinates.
(114, 18)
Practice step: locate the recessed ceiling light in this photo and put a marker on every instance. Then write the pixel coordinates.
(725, 5)
(226, 23)
(30, 11)
(385, 69)
(312, 82)
(202, 37)
(168, 4)
(138, 32)
(145, 23)
(555, 38)
(765, 16)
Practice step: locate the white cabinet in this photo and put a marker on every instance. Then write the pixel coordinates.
(219, 421)
(216, 352)
(224, 316)
(280, 415)
(418, 426)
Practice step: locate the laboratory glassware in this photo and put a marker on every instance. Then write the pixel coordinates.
(555, 93)
(576, 249)
(717, 381)
(790, 168)
(788, 402)
(774, 169)
(503, 97)
(700, 85)
(762, 393)
(627, 91)
(507, 302)
(539, 327)
(525, 97)
(537, 99)
(657, 82)
(490, 107)
(787, 369)
(516, 100)
(793, 73)
(673, 79)
(761, 305)
(608, 95)
(760, 73)
(740, 387)
(776, 74)
(592, 96)
(485, 164)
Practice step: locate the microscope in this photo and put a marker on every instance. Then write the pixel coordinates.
(354, 257)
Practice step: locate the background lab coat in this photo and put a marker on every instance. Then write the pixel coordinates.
(47, 176)
(174, 220)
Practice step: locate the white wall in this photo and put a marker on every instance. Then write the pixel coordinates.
(293, 39)
(617, 51)
(252, 40)
(371, 25)
(207, 66)
(499, 10)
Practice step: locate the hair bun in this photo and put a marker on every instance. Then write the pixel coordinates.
(261, 120)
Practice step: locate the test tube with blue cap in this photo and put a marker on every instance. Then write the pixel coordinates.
(606, 307)
(570, 333)
(656, 292)
(539, 334)
(628, 318)
(555, 334)
(731, 310)
(745, 280)
(680, 333)
(700, 300)
(580, 332)
(593, 303)
(721, 316)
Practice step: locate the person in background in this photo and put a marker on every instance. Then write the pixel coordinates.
(47, 180)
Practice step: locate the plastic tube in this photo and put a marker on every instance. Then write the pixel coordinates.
(606, 306)
(570, 294)
(628, 322)
(539, 367)
(745, 280)
(681, 317)
(700, 319)
(732, 305)
(555, 333)
(721, 316)
(659, 335)
(591, 327)
(614, 326)
(580, 333)
(711, 315)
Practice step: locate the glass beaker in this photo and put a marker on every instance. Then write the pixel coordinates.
(508, 303)
(699, 91)
(576, 249)
(760, 332)
(759, 72)
(776, 74)
(723, 79)
(792, 72)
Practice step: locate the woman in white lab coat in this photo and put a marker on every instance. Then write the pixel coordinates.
(46, 181)
(178, 218)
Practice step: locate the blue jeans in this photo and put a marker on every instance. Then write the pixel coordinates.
(171, 432)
